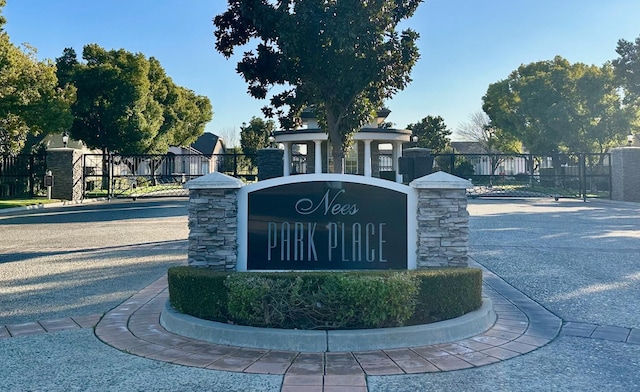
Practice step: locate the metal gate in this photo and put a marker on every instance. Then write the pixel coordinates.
(22, 175)
(580, 175)
(137, 176)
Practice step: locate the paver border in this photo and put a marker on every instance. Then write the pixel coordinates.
(521, 326)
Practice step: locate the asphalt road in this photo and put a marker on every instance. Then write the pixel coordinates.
(86, 259)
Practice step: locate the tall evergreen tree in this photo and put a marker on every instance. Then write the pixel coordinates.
(340, 58)
(31, 103)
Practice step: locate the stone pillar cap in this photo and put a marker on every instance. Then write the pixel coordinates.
(214, 181)
(440, 180)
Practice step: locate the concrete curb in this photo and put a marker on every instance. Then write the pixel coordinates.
(462, 327)
(238, 335)
(42, 206)
(459, 328)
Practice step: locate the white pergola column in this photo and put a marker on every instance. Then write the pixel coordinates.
(367, 158)
(286, 170)
(317, 156)
(396, 155)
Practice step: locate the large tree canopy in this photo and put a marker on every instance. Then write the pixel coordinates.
(627, 72)
(342, 58)
(115, 110)
(126, 102)
(185, 114)
(554, 106)
(432, 133)
(30, 101)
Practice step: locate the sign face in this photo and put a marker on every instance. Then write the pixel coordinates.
(48, 180)
(326, 225)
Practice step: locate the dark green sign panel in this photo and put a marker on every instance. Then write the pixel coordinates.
(326, 225)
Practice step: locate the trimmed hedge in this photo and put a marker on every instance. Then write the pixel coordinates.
(326, 300)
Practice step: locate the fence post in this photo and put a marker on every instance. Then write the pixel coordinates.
(32, 176)
(109, 175)
(583, 176)
(453, 163)
(235, 163)
(610, 176)
(84, 177)
(65, 166)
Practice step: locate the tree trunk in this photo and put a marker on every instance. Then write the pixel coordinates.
(557, 169)
(338, 159)
(335, 139)
(106, 170)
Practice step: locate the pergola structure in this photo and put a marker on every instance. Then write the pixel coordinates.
(370, 143)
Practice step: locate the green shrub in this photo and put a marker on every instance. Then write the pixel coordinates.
(447, 294)
(326, 300)
(198, 292)
(367, 300)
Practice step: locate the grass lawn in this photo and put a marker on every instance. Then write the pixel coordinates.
(10, 203)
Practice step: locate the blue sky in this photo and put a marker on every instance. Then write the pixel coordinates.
(465, 45)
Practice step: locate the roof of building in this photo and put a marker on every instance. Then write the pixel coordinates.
(206, 143)
(470, 148)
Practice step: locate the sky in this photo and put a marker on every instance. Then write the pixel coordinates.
(465, 45)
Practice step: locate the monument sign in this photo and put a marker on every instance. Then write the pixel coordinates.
(325, 222)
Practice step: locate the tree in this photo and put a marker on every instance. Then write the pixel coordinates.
(185, 114)
(114, 110)
(340, 58)
(229, 135)
(553, 106)
(627, 72)
(127, 104)
(492, 140)
(627, 68)
(255, 136)
(31, 103)
(432, 133)
(3, 20)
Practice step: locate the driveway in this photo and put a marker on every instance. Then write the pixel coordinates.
(86, 259)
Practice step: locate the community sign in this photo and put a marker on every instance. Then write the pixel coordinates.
(327, 223)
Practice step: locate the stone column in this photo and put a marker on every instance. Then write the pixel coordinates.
(66, 166)
(270, 163)
(442, 221)
(625, 174)
(213, 221)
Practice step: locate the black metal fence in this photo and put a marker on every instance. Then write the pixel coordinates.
(22, 175)
(157, 175)
(579, 175)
